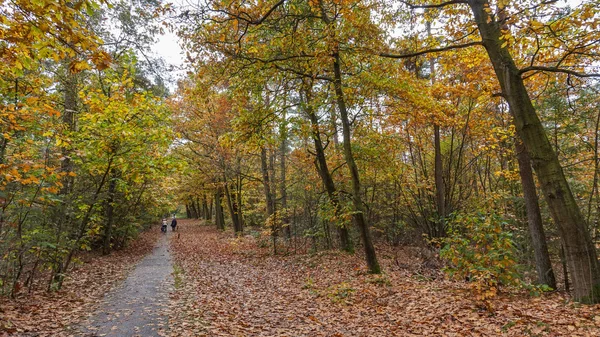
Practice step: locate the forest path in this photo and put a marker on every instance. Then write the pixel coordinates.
(139, 306)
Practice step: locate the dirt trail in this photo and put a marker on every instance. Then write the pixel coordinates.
(139, 306)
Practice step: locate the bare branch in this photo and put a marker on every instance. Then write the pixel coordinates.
(443, 4)
(557, 70)
(431, 51)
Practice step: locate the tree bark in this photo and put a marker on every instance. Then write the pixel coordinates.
(110, 211)
(193, 209)
(238, 206)
(233, 210)
(580, 252)
(266, 184)
(325, 174)
(210, 210)
(359, 213)
(198, 208)
(534, 219)
(188, 213)
(205, 207)
(268, 195)
(440, 189)
(282, 177)
(219, 216)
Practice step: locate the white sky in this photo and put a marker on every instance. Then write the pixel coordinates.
(168, 47)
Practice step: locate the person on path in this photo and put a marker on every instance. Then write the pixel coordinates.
(174, 223)
(163, 227)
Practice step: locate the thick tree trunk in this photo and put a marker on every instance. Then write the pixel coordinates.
(325, 174)
(194, 211)
(580, 252)
(359, 213)
(231, 205)
(205, 207)
(198, 208)
(188, 213)
(534, 219)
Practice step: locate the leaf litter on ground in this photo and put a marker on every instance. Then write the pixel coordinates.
(44, 313)
(231, 287)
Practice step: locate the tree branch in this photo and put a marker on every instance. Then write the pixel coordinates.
(267, 14)
(443, 4)
(431, 51)
(557, 70)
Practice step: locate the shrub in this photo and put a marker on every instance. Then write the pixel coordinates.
(479, 250)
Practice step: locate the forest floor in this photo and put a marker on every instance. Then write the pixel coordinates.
(227, 286)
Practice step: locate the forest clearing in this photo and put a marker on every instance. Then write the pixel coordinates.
(337, 167)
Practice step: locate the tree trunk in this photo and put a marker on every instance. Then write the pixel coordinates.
(580, 252)
(282, 177)
(359, 213)
(194, 211)
(268, 195)
(59, 274)
(205, 207)
(440, 189)
(325, 174)
(534, 219)
(110, 211)
(188, 213)
(231, 205)
(219, 216)
(266, 184)
(440, 193)
(238, 206)
(198, 208)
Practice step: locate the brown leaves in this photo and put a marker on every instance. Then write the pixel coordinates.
(48, 314)
(232, 288)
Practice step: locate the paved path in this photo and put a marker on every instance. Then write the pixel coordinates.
(139, 306)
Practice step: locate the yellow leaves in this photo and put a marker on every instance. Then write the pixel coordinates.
(78, 66)
(51, 189)
(536, 24)
(30, 180)
(101, 60)
(51, 111)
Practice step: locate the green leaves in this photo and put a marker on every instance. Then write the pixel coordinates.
(481, 250)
